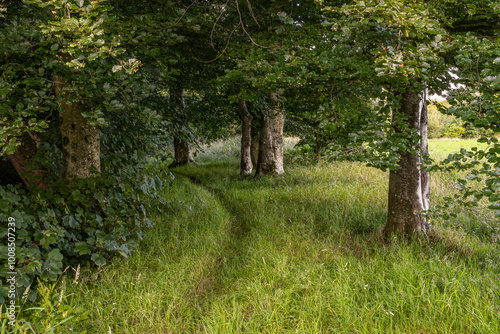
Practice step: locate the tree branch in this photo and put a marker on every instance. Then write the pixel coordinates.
(245, 31)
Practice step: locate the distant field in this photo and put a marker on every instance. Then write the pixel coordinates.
(438, 148)
(441, 148)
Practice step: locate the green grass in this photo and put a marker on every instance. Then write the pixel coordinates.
(301, 253)
(439, 149)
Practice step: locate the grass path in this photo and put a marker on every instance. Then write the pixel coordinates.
(294, 254)
(161, 288)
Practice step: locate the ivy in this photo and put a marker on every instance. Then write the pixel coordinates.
(88, 221)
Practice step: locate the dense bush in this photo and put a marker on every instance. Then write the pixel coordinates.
(454, 130)
(86, 221)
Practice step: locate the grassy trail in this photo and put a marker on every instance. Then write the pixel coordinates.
(299, 253)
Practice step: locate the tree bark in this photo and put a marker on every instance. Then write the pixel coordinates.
(271, 138)
(318, 148)
(81, 139)
(255, 144)
(246, 165)
(23, 157)
(182, 153)
(409, 192)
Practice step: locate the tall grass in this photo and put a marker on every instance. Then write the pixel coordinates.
(300, 253)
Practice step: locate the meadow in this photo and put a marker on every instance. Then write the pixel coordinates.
(300, 253)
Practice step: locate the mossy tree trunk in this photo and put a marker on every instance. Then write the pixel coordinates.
(81, 139)
(182, 152)
(271, 138)
(409, 192)
(246, 165)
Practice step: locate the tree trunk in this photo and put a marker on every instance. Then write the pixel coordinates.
(255, 144)
(81, 139)
(318, 147)
(409, 186)
(22, 158)
(182, 153)
(246, 165)
(271, 138)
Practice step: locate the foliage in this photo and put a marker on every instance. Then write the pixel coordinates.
(83, 222)
(476, 101)
(454, 130)
(43, 41)
(482, 180)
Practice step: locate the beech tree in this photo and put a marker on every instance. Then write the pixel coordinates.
(410, 45)
(67, 56)
(404, 41)
(263, 39)
(64, 80)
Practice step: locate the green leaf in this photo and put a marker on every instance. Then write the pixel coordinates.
(70, 221)
(98, 259)
(4, 205)
(470, 177)
(55, 255)
(52, 270)
(48, 239)
(82, 248)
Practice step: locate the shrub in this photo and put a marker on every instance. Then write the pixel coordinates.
(86, 221)
(454, 130)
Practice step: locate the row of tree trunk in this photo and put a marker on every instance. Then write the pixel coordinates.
(408, 196)
(409, 193)
(263, 149)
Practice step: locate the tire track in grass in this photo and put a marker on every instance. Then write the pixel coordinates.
(216, 276)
